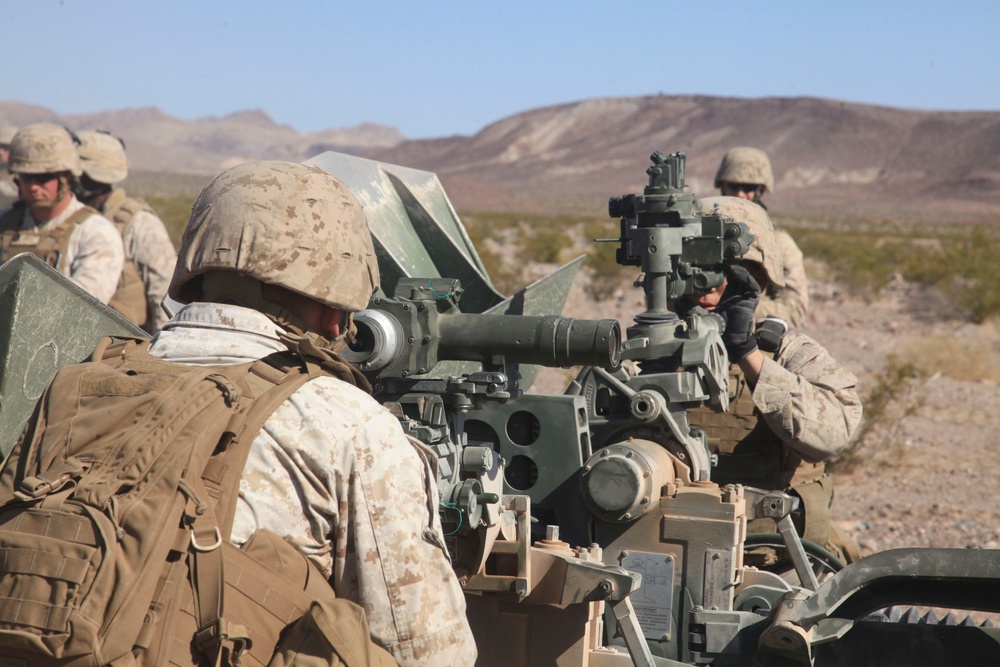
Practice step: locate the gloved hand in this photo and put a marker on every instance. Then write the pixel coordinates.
(737, 307)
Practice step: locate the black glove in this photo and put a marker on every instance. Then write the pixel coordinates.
(737, 307)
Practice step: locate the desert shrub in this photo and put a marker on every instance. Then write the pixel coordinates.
(961, 262)
(895, 395)
(545, 244)
(507, 242)
(958, 357)
(969, 272)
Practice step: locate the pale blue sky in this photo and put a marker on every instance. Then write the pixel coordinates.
(439, 68)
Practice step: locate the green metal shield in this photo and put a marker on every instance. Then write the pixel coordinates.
(46, 322)
(416, 231)
(418, 234)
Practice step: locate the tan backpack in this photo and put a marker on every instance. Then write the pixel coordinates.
(115, 512)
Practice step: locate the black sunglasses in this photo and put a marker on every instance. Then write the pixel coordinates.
(742, 187)
(38, 179)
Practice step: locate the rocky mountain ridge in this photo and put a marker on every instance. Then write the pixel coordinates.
(159, 142)
(830, 158)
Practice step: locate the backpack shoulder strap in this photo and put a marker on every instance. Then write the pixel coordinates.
(271, 381)
(267, 383)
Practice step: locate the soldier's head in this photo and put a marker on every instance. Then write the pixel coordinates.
(287, 239)
(7, 133)
(746, 173)
(762, 260)
(44, 161)
(102, 157)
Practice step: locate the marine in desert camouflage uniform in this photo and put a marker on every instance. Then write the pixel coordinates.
(8, 188)
(50, 221)
(746, 173)
(791, 409)
(147, 245)
(276, 255)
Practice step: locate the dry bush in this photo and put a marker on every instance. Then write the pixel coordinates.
(895, 395)
(959, 261)
(961, 358)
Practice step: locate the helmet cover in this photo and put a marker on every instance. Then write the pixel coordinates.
(43, 148)
(281, 223)
(764, 249)
(744, 164)
(102, 156)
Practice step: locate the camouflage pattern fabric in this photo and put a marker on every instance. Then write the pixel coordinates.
(791, 302)
(94, 257)
(808, 399)
(333, 473)
(148, 246)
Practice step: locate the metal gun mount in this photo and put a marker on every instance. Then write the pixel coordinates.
(401, 339)
(682, 362)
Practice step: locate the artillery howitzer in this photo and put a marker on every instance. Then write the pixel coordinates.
(609, 544)
(585, 527)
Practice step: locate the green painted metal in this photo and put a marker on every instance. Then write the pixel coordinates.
(418, 234)
(416, 230)
(46, 322)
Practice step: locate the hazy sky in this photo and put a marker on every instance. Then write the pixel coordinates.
(435, 68)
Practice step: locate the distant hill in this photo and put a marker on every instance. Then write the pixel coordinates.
(829, 157)
(157, 141)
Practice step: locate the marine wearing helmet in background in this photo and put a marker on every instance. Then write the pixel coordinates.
(50, 222)
(745, 172)
(149, 251)
(8, 188)
(278, 256)
(792, 407)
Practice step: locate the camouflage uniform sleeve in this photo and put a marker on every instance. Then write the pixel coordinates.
(154, 257)
(334, 474)
(808, 399)
(415, 605)
(97, 257)
(791, 302)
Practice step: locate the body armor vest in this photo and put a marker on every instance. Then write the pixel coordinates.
(130, 299)
(50, 246)
(749, 453)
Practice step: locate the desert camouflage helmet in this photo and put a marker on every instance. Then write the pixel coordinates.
(7, 133)
(102, 155)
(43, 148)
(281, 223)
(746, 165)
(764, 249)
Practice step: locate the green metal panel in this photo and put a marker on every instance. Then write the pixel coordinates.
(418, 235)
(416, 230)
(46, 322)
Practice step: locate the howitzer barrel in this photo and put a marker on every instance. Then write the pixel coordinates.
(547, 340)
(403, 338)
